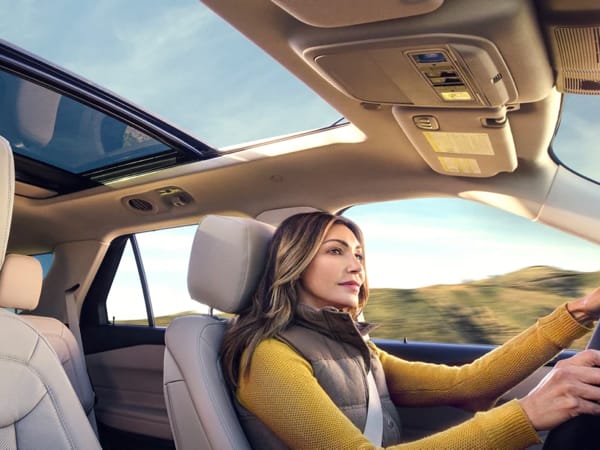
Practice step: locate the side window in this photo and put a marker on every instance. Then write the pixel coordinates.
(46, 260)
(126, 303)
(152, 290)
(451, 270)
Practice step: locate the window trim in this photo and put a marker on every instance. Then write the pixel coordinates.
(94, 310)
(143, 280)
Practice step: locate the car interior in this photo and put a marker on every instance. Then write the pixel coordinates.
(487, 102)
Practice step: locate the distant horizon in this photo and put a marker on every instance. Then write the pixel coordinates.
(523, 269)
(464, 283)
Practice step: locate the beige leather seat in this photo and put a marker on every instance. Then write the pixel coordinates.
(38, 406)
(226, 261)
(20, 286)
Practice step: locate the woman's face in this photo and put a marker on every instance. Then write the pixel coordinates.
(336, 273)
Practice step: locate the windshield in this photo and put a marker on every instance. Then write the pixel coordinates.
(578, 135)
(176, 59)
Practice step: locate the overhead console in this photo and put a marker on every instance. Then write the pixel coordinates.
(451, 75)
(450, 94)
(439, 70)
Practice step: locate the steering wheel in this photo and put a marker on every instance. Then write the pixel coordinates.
(580, 432)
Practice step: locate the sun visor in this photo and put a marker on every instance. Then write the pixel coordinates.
(341, 13)
(467, 142)
(36, 109)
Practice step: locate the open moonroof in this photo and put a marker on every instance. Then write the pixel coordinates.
(69, 135)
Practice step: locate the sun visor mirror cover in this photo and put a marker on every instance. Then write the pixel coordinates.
(467, 143)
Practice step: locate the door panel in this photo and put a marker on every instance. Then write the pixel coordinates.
(128, 385)
(125, 362)
(125, 365)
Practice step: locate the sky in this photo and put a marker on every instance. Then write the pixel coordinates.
(422, 242)
(181, 62)
(577, 138)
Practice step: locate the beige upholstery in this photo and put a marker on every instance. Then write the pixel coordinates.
(228, 255)
(226, 261)
(71, 357)
(21, 279)
(38, 406)
(20, 282)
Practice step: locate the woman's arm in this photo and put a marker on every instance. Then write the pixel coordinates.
(478, 385)
(283, 393)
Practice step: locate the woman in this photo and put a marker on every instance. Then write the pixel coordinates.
(298, 358)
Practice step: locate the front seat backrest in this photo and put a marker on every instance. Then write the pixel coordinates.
(21, 280)
(38, 406)
(228, 256)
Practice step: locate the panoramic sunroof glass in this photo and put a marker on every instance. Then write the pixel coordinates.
(197, 72)
(578, 135)
(57, 130)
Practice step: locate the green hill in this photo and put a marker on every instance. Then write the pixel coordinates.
(488, 311)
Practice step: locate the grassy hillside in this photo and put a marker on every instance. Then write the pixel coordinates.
(486, 311)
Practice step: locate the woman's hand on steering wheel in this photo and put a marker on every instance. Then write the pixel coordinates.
(586, 309)
(570, 389)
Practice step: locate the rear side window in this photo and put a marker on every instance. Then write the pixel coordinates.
(46, 260)
(126, 302)
(150, 285)
(451, 270)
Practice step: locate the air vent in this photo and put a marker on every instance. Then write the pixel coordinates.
(158, 201)
(140, 204)
(577, 51)
(580, 86)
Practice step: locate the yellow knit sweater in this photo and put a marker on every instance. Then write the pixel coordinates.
(282, 391)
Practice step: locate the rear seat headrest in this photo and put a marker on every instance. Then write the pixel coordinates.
(21, 280)
(227, 259)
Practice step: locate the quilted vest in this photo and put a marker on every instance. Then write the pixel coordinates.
(334, 345)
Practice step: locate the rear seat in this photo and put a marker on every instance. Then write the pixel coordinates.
(20, 286)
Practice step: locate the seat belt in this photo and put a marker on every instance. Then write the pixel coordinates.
(73, 321)
(374, 424)
(72, 316)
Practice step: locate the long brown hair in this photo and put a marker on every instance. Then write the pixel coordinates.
(295, 243)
